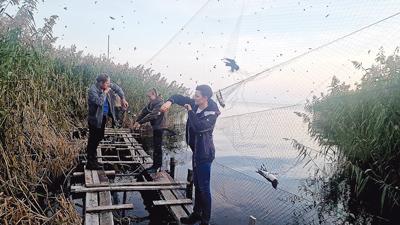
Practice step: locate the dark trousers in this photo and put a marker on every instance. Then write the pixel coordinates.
(202, 198)
(119, 115)
(157, 145)
(95, 136)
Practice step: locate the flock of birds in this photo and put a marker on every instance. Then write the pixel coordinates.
(229, 62)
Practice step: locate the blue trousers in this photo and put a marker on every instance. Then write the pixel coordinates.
(202, 198)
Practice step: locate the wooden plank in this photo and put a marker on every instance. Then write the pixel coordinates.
(147, 183)
(91, 201)
(173, 202)
(110, 208)
(115, 142)
(103, 178)
(177, 210)
(146, 159)
(179, 195)
(122, 162)
(118, 162)
(107, 156)
(125, 145)
(138, 156)
(88, 177)
(106, 218)
(141, 152)
(81, 189)
(99, 154)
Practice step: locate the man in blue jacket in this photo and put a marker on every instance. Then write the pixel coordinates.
(202, 115)
(101, 105)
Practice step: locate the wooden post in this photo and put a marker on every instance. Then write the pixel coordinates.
(124, 202)
(252, 220)
(189, 186)
(172, 167)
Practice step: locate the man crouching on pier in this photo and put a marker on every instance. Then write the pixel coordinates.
(101, 105)
(202, 115)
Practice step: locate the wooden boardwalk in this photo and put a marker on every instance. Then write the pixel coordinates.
(120, 150)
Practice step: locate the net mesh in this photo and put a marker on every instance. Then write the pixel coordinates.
(287, 52)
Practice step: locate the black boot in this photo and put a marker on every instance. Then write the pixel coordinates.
(94, 165)
(191, 219)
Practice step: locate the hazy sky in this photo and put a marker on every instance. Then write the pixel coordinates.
(258, 34)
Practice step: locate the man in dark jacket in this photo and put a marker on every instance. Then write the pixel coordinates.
(151, 113)
(101, 104)
(202, 116)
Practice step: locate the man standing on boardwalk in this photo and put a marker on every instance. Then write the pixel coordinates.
(151, 113)
(101, 105)
(202, 116)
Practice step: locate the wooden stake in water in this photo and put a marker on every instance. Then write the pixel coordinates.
(172, 167)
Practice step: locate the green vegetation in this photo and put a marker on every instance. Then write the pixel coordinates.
(42, 99)
(360, 128)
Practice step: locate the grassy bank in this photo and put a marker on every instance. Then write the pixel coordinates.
(359, 126)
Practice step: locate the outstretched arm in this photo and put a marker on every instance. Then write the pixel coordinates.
(177, 99)
(142, 114)
(181, 100)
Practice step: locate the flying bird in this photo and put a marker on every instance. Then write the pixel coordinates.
(231, 63)
(112, 18)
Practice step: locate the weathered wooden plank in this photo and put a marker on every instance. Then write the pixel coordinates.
(106, 218)
(105, 204)
(113, 145)
(173, 202)
(81, 189)
(122, 162)
(118, 162)
(99, 155)
(116, 142)
(91, 201)
(141, 152)
(103, 177)
(109, 208)
(138, 156)
(88, 177)
(177, 210)
(179, 195)
(147, 183)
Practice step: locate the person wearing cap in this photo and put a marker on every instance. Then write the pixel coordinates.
(202, 116)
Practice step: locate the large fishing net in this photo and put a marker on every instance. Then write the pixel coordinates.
(265, 59)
